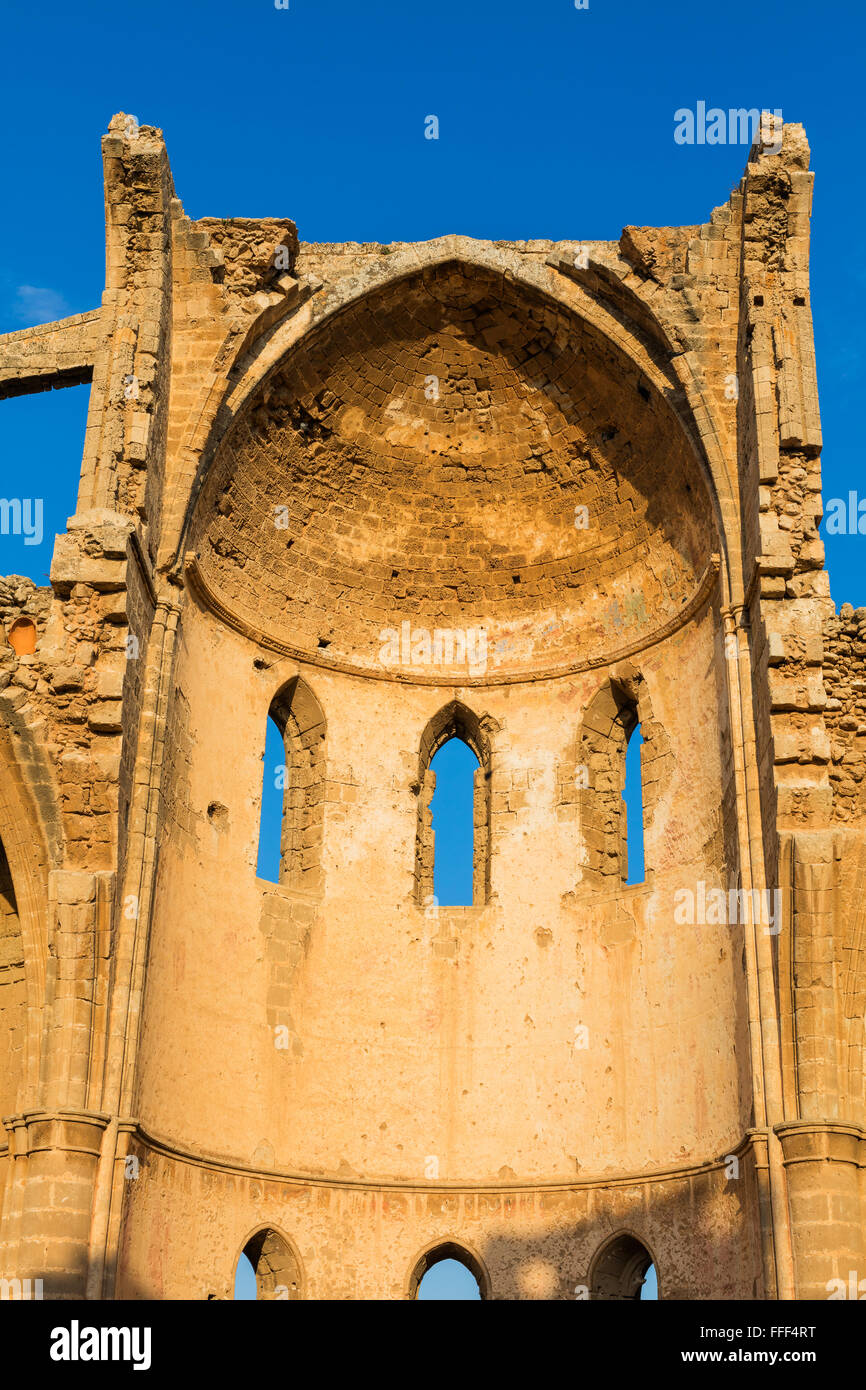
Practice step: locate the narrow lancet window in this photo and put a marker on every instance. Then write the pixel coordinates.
(632, 797)
(452, 809)
(293, 790)
(273, 797)
(452, 844)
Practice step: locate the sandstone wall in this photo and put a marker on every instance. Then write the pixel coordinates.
(605, 457)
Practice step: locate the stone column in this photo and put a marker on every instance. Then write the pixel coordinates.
(824, 1163)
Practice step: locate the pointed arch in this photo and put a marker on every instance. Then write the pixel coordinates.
(449, 1250)
(275, 1263)
(300, 720)
(455, 720)
(619, 1269)
(619, 707)
(638, 332)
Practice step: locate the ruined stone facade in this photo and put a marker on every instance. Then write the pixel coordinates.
(604, 457)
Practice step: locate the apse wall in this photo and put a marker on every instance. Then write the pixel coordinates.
(455, 1035)
(453, 495)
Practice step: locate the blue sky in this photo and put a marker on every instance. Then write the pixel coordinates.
(553, 122)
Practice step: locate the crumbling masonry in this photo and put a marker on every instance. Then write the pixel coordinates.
(605, 456)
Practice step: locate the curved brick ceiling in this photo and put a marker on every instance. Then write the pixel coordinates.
(458, 510)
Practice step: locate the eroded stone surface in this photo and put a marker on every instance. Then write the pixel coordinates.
(529, 494)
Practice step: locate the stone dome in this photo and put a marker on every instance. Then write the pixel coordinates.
(455, 452)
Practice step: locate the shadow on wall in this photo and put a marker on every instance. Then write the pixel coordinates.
(699, 1241)
(620, 1257)
(622, 1272)
(700, 1230)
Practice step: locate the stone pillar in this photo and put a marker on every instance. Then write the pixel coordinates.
(55, 1156)
(824, 1164)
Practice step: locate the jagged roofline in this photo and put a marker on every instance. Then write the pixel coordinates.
(634, 326)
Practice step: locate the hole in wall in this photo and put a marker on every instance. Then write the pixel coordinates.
(22, 636)
(44, 433)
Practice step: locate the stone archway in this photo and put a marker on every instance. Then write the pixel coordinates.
(455, 720)
(301, 722)
(619, 1270)
(275, 1264)
(450, 1250)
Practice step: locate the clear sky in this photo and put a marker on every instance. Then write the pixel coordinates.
(553, 122)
